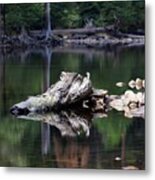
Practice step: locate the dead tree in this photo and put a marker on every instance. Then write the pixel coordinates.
(48, 21)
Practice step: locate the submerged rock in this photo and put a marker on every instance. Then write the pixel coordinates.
(120, 84)
(139, 84)
(132, 84)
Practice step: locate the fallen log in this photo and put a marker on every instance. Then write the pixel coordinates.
(79, 31)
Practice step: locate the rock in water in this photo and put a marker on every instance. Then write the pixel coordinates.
(131, 103)
(120, 84)
(139, 83)
(132, 84)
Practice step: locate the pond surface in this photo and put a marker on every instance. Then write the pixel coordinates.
(114, 141)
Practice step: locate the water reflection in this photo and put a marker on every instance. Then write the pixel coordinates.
(25, 143)
(45, 129)
(69, 123)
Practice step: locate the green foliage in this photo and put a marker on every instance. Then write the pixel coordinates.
(27, 15)
(65, 15)
(130, 14)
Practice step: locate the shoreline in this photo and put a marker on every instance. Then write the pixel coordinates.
(93, 37)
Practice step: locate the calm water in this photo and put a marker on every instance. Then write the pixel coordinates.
(114, 141)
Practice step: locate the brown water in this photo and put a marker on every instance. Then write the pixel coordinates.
(114, 141)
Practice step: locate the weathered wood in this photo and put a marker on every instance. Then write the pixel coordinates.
(75, 91)
(70, 89)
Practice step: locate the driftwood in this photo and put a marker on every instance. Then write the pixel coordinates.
(71, 90)
(74, 91)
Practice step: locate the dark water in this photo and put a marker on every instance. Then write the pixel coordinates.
(114, 141)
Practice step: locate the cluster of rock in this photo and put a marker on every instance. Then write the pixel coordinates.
(132, 104)
(138, 84)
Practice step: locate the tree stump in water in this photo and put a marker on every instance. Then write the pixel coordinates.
(74, 91)
(71, 89)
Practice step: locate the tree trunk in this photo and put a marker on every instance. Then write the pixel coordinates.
(48, 20)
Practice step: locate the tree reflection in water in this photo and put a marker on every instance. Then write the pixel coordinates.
(76, 145)
(109, 137)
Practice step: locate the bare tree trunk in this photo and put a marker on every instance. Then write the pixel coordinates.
(48, 20)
